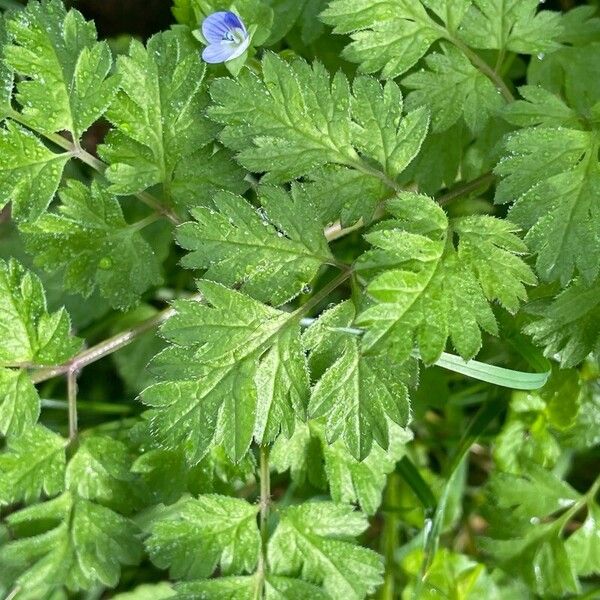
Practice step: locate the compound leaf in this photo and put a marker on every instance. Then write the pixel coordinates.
(224, 348)
(313, 539)
(32, 465)
(196, 535)
(92, 244)
(272, 254)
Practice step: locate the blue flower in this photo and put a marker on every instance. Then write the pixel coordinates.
(226, 36)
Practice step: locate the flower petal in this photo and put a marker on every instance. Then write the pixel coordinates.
(239, 50)
(218, 53)
(216, 26)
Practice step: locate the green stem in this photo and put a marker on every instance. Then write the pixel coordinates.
(265, 506)
(392, 520)
(478, 62)
(142, 223)
(481, 182)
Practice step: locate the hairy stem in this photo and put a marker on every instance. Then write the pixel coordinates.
(103, 348)
(265, 506)
(89, 159)
(72, 399)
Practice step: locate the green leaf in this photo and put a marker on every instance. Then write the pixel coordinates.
(349, 480)
(379, 132)
(244, 588)
(512, 25)
(357, 393)
(452, 88)
(31, 466)
(553, 173)
(271, 254)
(64, 70)
(29, 172)
(584, 545)
(202, 175)
(157, 114)
(429, 290)
(101, 471)
(31, 335)
(6, 73)
(528, 514)
(236, 363)
(540, 107)
(570, 73)
(296, 119)
(19, 402)
(313, 539)
(569, 326)
(452, 575)
(515, 380)
(148, 591)
(341, 193)
(80, 544)
(90, 242)
(220, 588)
(390, 36)
(196, 535)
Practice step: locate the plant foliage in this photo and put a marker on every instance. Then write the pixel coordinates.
(241, 303)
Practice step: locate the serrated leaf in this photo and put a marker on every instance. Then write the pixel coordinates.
(101, 471)
(6, 73)
(65, 72)
(198, 534)
(297, 119)
(452, 88)
(528, 514)
(313, 539)
(222, 351)
(429, 290)
(308, 456)
(390, 36)
(583, 547)
(90, 242)
(570, 73)
(569, 325)
(540, 107)
(271, 255)
(19, 402)
(29, 172)
(511, 25)
(491, 248)
(378, 131)
(358, 394)
(200, 176)
(553, 175)
(339, 192)
(79, 544)
(157, 114)
(32, 465)
(31, 335)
